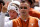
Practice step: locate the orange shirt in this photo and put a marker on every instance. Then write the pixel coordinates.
(34, 13)
(31, 22)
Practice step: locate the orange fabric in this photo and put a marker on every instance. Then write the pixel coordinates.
(20, 23)
(25, 24)
(34, 13)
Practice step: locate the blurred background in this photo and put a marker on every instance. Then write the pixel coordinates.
(36, 1)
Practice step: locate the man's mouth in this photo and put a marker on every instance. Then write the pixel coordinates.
(23, 12)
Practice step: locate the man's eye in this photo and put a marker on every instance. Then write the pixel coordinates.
(25, 7)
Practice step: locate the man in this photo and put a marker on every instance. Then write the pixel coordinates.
(33, 12)
(24, 19)
(15, 3)
(2, 14)
(13, 11)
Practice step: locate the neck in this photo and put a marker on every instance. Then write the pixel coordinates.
(24, 17)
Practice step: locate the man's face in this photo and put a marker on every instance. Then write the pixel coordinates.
(24, 9)
(12, 14)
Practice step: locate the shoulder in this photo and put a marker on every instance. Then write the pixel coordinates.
(34, 18)
(16, 19)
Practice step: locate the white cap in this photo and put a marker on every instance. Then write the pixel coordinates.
(13, 7)
(16, 2)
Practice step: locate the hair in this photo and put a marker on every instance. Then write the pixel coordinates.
(23, 1)
(1, 1)
(31, 1)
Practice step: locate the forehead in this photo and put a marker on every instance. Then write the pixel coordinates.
(12, 11)
(23, 4)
